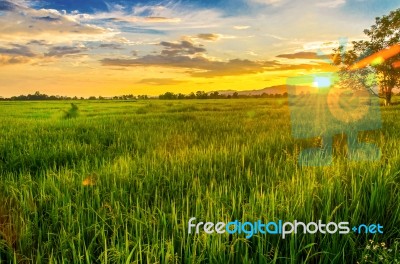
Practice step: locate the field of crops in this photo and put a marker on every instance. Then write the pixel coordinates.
(117, 182)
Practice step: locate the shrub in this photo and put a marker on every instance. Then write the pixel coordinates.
(73, 112)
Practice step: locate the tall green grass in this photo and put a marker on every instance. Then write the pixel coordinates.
(159, 163)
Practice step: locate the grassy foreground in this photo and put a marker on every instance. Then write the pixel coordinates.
(118, 184)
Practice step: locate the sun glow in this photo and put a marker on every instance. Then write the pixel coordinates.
(322, 82)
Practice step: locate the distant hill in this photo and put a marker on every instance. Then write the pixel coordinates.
(279, 89)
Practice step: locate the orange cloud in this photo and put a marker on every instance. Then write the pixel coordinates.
(161, 19)
(10, 60)
(208, 36)
(299, 55)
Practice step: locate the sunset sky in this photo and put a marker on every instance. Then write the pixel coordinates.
(115, 47)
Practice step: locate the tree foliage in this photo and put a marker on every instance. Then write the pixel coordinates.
(383, 72)
(217, 95)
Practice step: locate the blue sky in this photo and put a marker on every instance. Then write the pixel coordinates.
(229, 7)
(92, 6)
(93, 47)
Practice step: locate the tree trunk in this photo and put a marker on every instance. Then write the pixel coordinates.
(388, 97)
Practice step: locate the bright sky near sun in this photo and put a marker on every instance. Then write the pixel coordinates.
(115, 47)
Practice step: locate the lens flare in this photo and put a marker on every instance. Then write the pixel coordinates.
(322, 82)
(377, 61)
(377, 58)
(396, 64)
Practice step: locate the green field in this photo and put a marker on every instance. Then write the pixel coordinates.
(149, 166)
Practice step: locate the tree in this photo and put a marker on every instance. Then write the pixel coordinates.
(143, 97)
(201, 95)
(215, 95)
(383, 38)
(168, 96)
(191, 96)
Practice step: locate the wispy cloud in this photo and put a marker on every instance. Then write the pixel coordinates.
(276, 37)
(132, 19)
(267, 2)
(331, 3)
(241, 27)
(161, 19)
(48, 18)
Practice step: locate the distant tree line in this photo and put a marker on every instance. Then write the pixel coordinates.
(37, 96)
(216, 95)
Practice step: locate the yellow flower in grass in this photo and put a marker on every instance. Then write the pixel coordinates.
(90, 180)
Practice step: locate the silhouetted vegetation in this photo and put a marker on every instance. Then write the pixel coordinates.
(37, 96)
(72, 112)
(217, 95)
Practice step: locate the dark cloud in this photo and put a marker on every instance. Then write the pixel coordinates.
(7, 6)
(200, 66)
(182, 48)
(48, 18)
(61, 51)
(300, 55)
(234, 67)
(16, 49)
(208, 36)
(37, 42)
(186, 55)
(114, 46)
